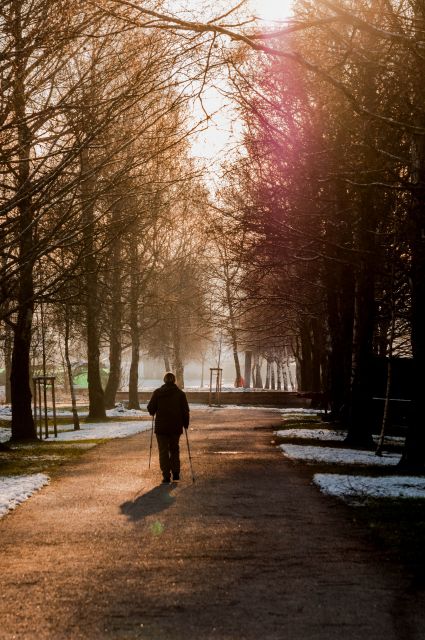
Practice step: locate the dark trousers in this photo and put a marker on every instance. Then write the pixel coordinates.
(169, 453)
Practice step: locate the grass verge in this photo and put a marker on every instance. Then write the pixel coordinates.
(41, 457)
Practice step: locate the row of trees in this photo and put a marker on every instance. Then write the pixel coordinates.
(317, 246)
(328, 199)
(96, 194)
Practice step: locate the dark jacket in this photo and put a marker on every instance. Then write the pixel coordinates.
(171, 410)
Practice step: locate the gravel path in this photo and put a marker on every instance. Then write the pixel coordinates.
(250, 551)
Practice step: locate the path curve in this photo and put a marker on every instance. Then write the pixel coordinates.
(251, 550)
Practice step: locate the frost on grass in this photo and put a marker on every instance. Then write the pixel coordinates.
(16, 489)
(331, 455)
(348, 487)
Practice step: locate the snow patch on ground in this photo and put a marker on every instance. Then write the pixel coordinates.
(5, 434)
(346, 487)
(16, 489)
(102, 430)
(325, 435)
(252, 407)
(121, 411)
(301, 411)
(91, 431)
(118, 411)
(331, 455)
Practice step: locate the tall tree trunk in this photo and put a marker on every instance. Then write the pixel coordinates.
(360, 409)
(133, 385)
(115, 348)
(75, 417)
(360, 423)
(267, 382)
(272, 375)
(96, 394)
(178, 362)
(291, 381)
(279, 374)
(234, 337)
(8, 341)
(317, 355)
(258, 382)
(248, 367)
(414, 452)
(340, 313)
(23, 427)
(305, 360)
(167, 360)
(284, 377)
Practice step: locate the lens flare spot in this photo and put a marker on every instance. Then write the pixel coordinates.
(157, 528)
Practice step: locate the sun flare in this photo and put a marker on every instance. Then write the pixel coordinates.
(272, 10)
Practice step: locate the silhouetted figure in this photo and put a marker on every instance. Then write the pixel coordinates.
(171, 410)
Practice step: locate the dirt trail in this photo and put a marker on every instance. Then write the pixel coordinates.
(250, 551)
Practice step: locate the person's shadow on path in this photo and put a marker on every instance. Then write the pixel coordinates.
(154, 501)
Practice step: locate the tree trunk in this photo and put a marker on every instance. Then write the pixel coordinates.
(258, 382)
(248, 367)
(167, 361)
(267, 383)
(133, 385)
(305, 360)
(8, 341)
(317, 356)
(115, 349)
(279, 374)
(340, 314)
(414, 452)
(178, 362)
(233, 337)
(75, 416)
(238, 380)
(291, 381)
(23, 427)
(284, 377)
(360, 409)
(272, 376)
(96, 394)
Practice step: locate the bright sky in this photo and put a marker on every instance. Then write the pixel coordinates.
(271, 10)
(223, 129)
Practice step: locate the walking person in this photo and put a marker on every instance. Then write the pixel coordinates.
(171, 410)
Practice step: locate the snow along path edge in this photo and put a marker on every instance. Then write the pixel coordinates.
(332, 455)
(16, 489)
(345, 486)
(91, 431)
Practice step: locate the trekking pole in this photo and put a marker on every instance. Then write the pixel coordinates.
(150, 449)
(190, 457)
